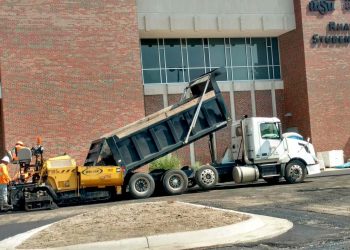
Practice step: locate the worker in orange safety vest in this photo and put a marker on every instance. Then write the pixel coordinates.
(4, 181)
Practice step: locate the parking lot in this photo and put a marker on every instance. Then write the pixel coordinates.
(319, 209)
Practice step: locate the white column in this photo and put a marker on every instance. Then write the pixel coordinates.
(252, 95)
(165, 95)
(273, 99)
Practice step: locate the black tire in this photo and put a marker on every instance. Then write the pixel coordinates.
(191, 183)
(272, 180)
(295, 172)
(207, 177)
(175, 182)
(141, 185)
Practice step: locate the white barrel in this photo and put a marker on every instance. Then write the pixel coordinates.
(243, 174)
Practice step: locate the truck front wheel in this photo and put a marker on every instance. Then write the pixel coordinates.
(141, 185)
(206, 177)
(295, 172)
(175, 182)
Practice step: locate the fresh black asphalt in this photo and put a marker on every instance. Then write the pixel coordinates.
(325, 227)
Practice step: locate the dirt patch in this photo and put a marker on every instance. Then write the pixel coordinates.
(131, 220)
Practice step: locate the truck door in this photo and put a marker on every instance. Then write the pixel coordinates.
(237, 144)
(269, 140)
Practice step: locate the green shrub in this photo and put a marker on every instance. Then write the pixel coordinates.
(196, 165)
(167, 162)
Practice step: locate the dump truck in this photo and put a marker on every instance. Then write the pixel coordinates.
(112, 159)
(258, 151)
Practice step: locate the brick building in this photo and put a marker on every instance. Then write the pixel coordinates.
(73, 70)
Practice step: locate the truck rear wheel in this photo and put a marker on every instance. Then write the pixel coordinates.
(175, 182)
(141, 185)
(295, 172)
(206, 177)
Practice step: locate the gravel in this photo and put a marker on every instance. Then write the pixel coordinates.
(129, 221)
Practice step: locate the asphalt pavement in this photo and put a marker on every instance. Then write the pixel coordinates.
(319, 209)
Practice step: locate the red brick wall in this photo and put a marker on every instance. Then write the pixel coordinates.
(294, 76)
(263, 103)
(279, 94)
(153, 103)
(2, 132)
(328, 81)
(70, 71)
(243, 104)
(316, 79)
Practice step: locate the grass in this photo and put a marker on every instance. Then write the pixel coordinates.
(170, 162)
(167, 162)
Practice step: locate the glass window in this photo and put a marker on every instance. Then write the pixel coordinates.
(162, 58)
(261, 73)
(217, 52)
(268, 41)
(163, 75)
(180, 60)
(195, 53)
(250, 73)
(229, 73)
(275, 52)
(269, 51)
(238, 52)
(228, 56)
(223, 75)
(186, 75)
(175, 75)
(240, 73)
(150, 55)
(206, 55)
(269, 131)
(259, 55)
(194, 73)
(277, 71)
(173, 53)
(151, 76)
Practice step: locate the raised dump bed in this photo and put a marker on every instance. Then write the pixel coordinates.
(199, 113)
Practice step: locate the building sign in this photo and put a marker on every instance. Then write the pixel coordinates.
(343, 38)
(346, 5)
(321, 6)
(325, 6)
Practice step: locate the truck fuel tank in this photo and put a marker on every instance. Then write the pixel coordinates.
(243, 174)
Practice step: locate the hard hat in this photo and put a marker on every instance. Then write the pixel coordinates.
(6, 159)
(20, 143)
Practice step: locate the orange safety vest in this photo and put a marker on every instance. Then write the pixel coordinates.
(4, 174)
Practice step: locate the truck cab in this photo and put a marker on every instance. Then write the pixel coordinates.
(258, 142)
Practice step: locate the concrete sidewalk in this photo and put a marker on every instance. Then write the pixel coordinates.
(256, 228)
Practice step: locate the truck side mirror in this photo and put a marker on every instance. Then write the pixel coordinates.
(308, 139)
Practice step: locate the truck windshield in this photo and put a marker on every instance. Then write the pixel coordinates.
(269, 131)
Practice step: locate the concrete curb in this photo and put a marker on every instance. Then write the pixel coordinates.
(256, 228)
(14, 241)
